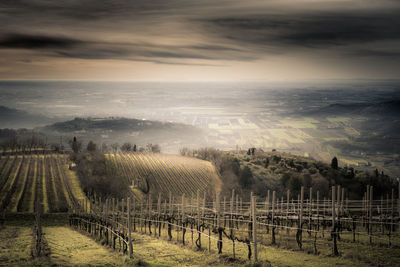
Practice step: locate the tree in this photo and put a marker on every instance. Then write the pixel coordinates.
(91, 146)
(104, 147)
(126, 147)
(75, 145)
(156, 148)
(115, 147)
(153, 148)
(334, 163)
(246, 177)
(266, 162)
(295, 184)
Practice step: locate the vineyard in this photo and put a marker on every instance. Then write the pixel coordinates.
(153, 173)
(24, 179)
(246, 230)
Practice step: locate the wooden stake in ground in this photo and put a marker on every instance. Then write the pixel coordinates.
(129, 227)
(334, 234)
(299, 235)
(273, 218)
(253, 211)
(371, 197)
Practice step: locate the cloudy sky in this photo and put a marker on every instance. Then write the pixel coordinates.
(183, 40)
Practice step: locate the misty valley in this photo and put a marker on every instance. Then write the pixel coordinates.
(215, 173)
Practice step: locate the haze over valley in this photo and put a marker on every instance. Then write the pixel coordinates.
(355, 120)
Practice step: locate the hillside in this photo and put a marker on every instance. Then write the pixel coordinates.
(386, 108)
(281, 171)
(113, 130)
(14, 118)
(27, 178)
(155, 173)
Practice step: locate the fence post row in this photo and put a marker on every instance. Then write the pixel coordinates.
(111, 219)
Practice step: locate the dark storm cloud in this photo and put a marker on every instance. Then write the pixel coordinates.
(89, 49)
(36, 42)
(310, 30)
(222, 30)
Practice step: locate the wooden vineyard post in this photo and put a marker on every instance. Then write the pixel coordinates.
(253, 212)
(209, 226)
(392, 213)
(367, 209)
(231, 223)
(281, 212)
(219, 228)
(183, 219)
(310, 211)
(381, 214)
(113, 223)
(338, 203)
(300, 222)
(198, 242)
(158, 215)
(398, 201)
(318, 210)
(267, 208)
(371, 197)
(134, 215)
(192, 216)
(342, 202)
(334, 234)
(149, 212)
(273, 218)
(224, 211)
(129, 226)
(235, 211)
(287, 210)
(107, 232)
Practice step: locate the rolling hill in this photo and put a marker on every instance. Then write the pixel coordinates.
(155, 173)
(170, 136)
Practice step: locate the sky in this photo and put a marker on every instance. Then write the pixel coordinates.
(202, 40)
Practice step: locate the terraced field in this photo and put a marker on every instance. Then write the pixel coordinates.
(27, 178)
(162, 173)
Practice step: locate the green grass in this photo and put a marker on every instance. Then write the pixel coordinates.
(70, 248)
(15, 245)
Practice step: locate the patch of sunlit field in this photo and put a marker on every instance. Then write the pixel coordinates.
(284, 135)
(158, 251)
(69, 247)
(338, 119)
(303, 123)
(336, 139)
(351, 131)
(15, 245)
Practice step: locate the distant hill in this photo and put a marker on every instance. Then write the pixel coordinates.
(114, 124)
(170, 136)
(14, 118)
(386, 108)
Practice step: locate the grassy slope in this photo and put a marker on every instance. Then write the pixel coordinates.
(15, 245)
(165, 173)
(70, 248)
